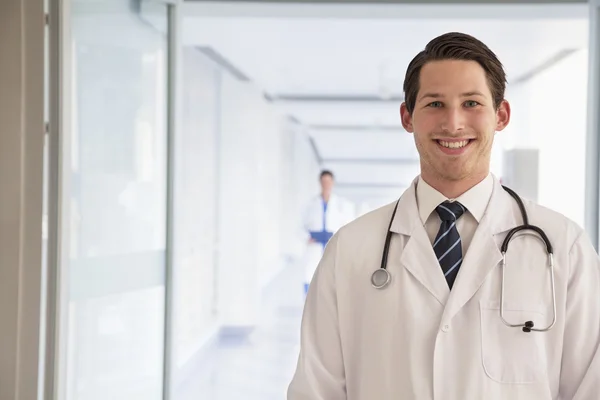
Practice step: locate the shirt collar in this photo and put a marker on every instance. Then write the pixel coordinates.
(475, 199)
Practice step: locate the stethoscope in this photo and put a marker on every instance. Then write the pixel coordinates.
(382, 277)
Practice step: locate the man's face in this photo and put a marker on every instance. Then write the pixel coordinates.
(454, 120)
(326, 183)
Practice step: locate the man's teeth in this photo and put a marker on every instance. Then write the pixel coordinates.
(454, 145)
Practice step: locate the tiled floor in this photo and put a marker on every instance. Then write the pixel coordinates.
(260, 366)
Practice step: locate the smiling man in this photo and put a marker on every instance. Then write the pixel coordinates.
(440, 295)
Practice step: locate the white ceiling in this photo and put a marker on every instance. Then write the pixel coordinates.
(350, 57)
(335, 67)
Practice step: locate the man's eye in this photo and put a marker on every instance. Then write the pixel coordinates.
(435, 104)
(471, 103)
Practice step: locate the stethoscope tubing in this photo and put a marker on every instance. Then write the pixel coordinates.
(382, 277)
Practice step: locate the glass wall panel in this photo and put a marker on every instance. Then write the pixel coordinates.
(115, 201)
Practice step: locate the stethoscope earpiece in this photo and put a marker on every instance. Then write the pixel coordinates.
(528, 326)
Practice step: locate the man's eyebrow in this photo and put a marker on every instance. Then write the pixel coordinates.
(473, 93)
(431, 95)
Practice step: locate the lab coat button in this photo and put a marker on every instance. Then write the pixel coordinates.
(446, 328)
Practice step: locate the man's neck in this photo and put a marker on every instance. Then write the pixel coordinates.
(453, 189)
(326, 196)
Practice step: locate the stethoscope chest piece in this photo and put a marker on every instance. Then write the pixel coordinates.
(380, 278)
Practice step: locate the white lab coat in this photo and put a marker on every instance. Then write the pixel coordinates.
(416, 339)
(340, 211)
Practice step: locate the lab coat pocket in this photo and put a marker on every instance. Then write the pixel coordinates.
(510, 355)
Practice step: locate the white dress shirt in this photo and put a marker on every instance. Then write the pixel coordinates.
(475, 201)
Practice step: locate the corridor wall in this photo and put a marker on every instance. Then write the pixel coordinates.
(549, 114)
(243, 175)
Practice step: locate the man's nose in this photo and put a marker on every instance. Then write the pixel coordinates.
(453, 120)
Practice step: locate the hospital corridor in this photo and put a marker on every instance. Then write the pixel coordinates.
(172, 172)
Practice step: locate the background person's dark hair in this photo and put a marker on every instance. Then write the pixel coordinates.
(326, 173)
(455, 46)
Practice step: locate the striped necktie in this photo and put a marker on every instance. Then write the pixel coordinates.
(447, 245)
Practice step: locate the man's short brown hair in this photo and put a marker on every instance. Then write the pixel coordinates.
(455, 46)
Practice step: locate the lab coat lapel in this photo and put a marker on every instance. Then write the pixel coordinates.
(418, 256)
(484, 253)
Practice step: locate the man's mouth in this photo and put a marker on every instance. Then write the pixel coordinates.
(455, 144)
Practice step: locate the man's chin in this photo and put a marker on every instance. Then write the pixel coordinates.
(453, 175)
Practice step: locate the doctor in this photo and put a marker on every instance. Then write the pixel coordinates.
(435, 330)
(325, 214)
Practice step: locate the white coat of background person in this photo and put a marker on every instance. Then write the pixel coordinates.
(326, 212)
(419, 338)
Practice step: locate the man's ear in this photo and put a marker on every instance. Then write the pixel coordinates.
(406, 118)
(502, 115)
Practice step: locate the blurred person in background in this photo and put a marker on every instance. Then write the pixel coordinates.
(325, 214)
